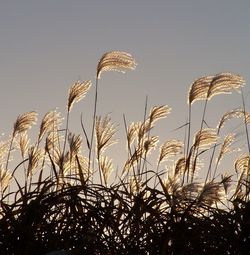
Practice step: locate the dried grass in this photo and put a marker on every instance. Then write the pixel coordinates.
(115, 61)
(154, 205)
(77, 92)
(24, 122)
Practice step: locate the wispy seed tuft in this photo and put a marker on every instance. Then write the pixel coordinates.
(77, 92)
(24, 122)
(115, 61)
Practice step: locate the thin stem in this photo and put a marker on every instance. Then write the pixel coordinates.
(188, 142)
(8, 159)
(85, 133)
(144, 119)
(66, 133)
(189, 129)
(129, 147)
(211, 161)
(248, 144)
(210, 165)
(99, 168)
(245, 120)
(203, 115)
(94, 120)
(196, 151)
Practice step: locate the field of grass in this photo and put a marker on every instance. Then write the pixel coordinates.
(67, 201)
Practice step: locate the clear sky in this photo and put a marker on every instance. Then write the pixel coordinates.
(47, 45)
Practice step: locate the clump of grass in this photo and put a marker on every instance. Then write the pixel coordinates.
(159, 207)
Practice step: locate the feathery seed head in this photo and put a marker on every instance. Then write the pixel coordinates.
(34, 154)
(24, 122)
(77, 92)
(225, 83)
(150, 143)
(205, 137)
(169, 149)
(236, 113)
(23, 144)
(242, 164)
(208, 86)
(143, 129)
(199, 89)
(134, 184)
(226, 146)
(132, 132)
(210, 194)
(172, 185)
(106, 166)
(115, 61)
(75, 143)
(134, 159)
(105, 130)
(158, 112)
(247, 117)
(180, 166)
(5, 178)
(82, 168)
(3, 150)
(50, 122)
(63, 162)
(53, 141)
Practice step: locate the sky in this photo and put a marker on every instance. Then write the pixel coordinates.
(47, 45)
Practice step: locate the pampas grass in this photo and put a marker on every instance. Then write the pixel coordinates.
(169, 197)
(115, 61)
(24, 122)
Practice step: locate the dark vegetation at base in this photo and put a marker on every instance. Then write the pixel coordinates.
(98, 220)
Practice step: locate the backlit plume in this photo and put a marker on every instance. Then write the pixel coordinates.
(206, 87)
(115, 61)
(24, 122)
(77, 92)
(225, 83)
(199, 89)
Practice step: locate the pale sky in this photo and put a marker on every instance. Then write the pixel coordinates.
(48, 45)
